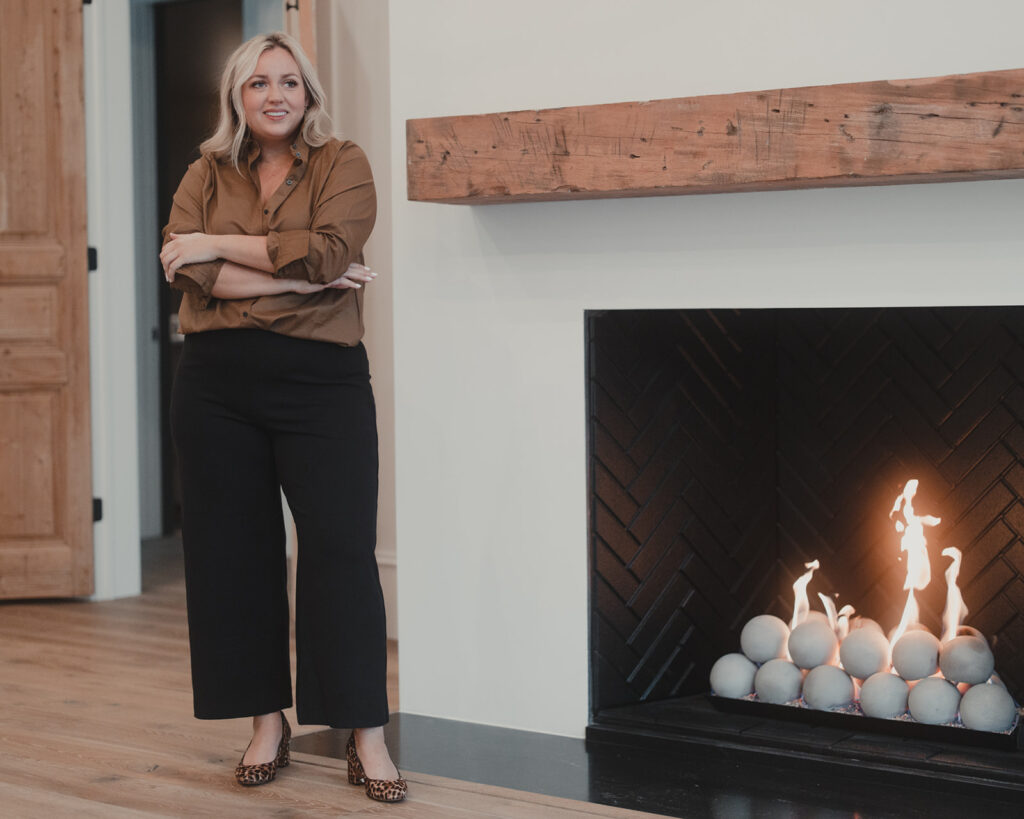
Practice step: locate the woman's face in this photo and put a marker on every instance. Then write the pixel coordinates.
(274, 98)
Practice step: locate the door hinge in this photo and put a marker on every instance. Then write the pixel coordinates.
(97, 510)
(93, 259)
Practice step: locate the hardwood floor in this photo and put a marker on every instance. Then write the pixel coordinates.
(96, 721)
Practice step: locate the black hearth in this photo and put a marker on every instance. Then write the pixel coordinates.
(729, 447)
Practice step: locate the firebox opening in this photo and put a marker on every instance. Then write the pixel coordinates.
(727, 448)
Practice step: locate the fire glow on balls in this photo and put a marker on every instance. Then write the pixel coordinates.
(865, 651)
(826, 661)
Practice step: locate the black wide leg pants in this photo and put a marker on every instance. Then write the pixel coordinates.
(253, 412)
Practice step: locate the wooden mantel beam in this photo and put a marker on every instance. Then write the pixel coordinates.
(940, 129)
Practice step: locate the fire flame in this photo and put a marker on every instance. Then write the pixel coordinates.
(800, 603)
(911, 615)
(955, 612)
(843, 621)
(830, 609)
(914, 543)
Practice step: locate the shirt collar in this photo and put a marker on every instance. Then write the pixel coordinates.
(299, 150)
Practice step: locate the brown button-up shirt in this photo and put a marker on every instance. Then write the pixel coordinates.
(316, 224)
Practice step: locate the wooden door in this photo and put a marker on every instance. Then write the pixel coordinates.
(45, 481)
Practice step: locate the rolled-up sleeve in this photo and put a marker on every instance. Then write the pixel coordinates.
(341, 221)
(196, 280)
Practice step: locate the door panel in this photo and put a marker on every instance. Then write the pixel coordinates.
(28, 313)
(45, 485)
(27, 422)
(22, 109)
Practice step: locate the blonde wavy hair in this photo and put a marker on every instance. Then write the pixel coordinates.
(232, 132)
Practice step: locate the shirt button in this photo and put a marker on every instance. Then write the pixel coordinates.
(245, 314)
(265, 212)
(289, 181)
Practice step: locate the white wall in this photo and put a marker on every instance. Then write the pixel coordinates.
(489, 301)
(112, 305)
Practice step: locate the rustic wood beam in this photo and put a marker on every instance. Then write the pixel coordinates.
(940, 129)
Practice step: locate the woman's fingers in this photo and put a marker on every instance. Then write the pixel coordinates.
(170, 259)
(343, 283)
(182, 249)
(352, 277)
(167, 258)
(360, 272)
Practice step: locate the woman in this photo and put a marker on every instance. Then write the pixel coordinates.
(273, 391)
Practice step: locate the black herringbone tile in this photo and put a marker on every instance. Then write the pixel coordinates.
(744, 443)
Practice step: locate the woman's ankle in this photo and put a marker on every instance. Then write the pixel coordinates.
(262, 722)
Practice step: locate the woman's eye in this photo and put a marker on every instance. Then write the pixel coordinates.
(292, 84)
(258, 84)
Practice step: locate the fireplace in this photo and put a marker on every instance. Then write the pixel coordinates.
(727, 448)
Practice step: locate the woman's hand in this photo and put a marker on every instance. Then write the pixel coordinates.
(186, 248)
(302, 287)
(350, 279)
(354, 277)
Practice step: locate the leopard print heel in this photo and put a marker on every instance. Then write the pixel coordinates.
(265, 772)
(382, 790)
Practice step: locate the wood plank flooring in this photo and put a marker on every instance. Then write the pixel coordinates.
(96, 721)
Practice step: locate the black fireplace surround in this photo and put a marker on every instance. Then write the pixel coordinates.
(729, 447)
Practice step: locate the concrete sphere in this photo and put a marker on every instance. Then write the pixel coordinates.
(733, 676)
(934, 701)
(987, 708)
(828, 687)
(884, 695)
(967, 659)
(764, 638)
(911, 627)
(916, 655)
(778, 682)
(813, 643)
(865, 652)
(864, 622)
